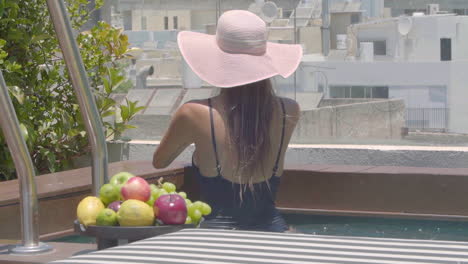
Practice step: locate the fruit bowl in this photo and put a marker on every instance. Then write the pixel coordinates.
(127, 232)
(108, 236)
(132, 207)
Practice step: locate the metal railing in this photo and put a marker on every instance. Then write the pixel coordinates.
(91, 117)
(427, 119)
(11, 130)
(25, 171)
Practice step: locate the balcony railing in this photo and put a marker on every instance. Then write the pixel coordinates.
(427, 119)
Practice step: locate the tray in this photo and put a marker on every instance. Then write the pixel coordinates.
(109, 236)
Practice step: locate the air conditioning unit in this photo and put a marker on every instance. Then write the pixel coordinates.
(432, 9)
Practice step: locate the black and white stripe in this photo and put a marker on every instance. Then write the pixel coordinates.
(208, 246)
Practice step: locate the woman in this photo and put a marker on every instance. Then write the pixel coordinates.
(241, 135)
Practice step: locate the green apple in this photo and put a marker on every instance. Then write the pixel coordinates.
(120, 179)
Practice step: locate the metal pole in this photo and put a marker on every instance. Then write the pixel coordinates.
(295, 42)
(93, 122)
(325, 27)
(218, 11)
(25, 171)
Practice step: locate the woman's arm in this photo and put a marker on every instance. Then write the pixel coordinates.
(178, 136)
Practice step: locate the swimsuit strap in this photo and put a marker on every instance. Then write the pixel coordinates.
(213, 138)
(275, 168)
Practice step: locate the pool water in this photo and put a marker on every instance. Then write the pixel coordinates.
(379, 227)
(359, 226)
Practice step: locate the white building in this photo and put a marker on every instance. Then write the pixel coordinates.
(401, 7)
(426, 66)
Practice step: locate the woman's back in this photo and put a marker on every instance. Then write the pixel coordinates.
(236, 204)
(204, 156)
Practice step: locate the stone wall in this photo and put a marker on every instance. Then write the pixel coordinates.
(370, 120)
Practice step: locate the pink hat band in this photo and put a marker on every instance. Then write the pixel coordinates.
(239, 53)
(241, 46)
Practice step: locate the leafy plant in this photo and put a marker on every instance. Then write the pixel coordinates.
(39, 85)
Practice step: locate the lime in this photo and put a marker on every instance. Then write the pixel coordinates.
(88, 209)
(107, 217)
(109, 193)
(135, 213)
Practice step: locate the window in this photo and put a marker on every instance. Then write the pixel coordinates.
(445, 49)
(166, 23)
(460, 12)
(359, 92)
(355, 18)
(340, 91)
(176, 26)
(287, 13)
(380, 47)
(410, 12)
(143, 23)
(127, 19)
(379, 92)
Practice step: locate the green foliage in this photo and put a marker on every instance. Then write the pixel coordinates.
(40, 88)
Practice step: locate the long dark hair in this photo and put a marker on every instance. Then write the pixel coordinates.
(249, 111)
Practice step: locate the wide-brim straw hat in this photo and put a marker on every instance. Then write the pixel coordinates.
(239, 53)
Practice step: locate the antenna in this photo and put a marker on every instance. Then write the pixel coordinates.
(404, 26)
(267, 11)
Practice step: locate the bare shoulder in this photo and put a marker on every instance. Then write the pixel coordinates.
(292, 108)
(191, 109)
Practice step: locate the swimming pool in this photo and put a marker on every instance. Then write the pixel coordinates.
(379, 227)
(359, 226)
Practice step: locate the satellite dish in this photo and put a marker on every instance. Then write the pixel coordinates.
(404, 25)
(267, 11)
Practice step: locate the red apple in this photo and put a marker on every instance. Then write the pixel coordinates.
(170, 209)
(136, 188)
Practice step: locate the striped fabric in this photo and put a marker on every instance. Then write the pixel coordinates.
(208, 246)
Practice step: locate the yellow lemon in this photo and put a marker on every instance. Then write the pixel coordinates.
(88, 209)
(135, 213)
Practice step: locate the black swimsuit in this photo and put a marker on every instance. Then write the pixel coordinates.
(256, 210)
